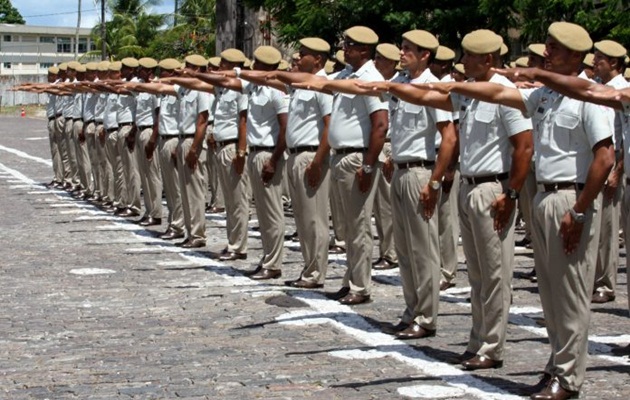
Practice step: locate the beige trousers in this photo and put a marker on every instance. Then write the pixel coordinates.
(113, 150)
(357, 216)
(150, 176)
(55, 155)
(72, 175)
(193, 187)
(526, 199)
(448, 226)
(91, 142)
(268, 208)
(383, 214)
(170, 180)
(236, 191)
(565, 283)
(418, 247)
(105, 166)
(60, 126)
(490, 262)
(84, 167)
(131, 176)
(608, 249)
(310, 210)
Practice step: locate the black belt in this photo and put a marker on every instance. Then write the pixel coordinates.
(413, 164)
(388, 140)
(185, 135)
(125, 124)
(77, 119)
(302, 149)
(52, 118)
(58, 115)
(476, 180)
(261, 148)
(227, 142)
(554, 187)
(349, 150)
(143, 127)
(89, 122)
(110, 130)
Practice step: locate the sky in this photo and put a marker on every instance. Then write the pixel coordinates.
(64, 12)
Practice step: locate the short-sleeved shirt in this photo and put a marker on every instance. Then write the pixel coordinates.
(146, 103)
(455, 114)
(50, 106)
(565, 131)
(89, 106)
(77, 109)
(413, 127)
(110, 120)
(59, 100)
(264, 105)
(350, 123)
(68, 104)
(229, 104)
(306, 112)
(191, 104)
(484, 133)
(169, 116)
(99, 108)
(621, 126)
(126, 107)
(626, 142)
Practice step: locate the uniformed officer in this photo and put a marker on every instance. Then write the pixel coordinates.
(68, 130)
(51, 114)
(90, 101)
(106, 174)
(570, 174)
(148, 169)
(84, 165)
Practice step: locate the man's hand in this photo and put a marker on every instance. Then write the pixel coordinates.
(364, 180)
(611, 186)
(101, 135)
(268, 171)
(191, 158)
(238, 163)
(428, 199)
(502, 208)
(570, 232)
(130, 141)
(314, 174)
(388, 169)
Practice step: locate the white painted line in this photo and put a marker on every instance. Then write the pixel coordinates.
(36, 138)
(92, 271)
(25, 155)
(121, 227)
(65, 205)
(43, 192)
(13, 187)
(177, 264)
(430, 392)
(79, 211)
(16, 174)
(99, 216)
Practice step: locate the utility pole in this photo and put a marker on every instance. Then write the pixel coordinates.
(76, 35)
(103, 32)
(175, 13)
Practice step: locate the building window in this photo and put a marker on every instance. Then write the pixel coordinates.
(7, 38)
(83, 45)
(45, 65)
(64, 45)
(7, 65)
(46, 39)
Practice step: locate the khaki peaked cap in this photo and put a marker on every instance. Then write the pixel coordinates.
(130, 62)
(315, 44)
(283, 65)
(362, 35)
(537, 49)
(103, 66)
(91, 66)
(196, 60)
(589, 60)
(81, 68)
(53, 70)
(148, 62)
(459, 67)
(340, 57)
(115, 66)
(482, 41)
(169, 64)
(63, 66)
(74, 65)
(571, 36)
(423, 39)
(504, 49)
(268, 55)
(233, 55)
(444, 53)
(611, 48)
(214, 61)
(521, 62)
(389, 51)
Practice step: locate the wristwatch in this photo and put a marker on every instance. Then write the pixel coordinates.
(237, 71)
(580, 218)
(511, 194)
(435, 185)
(241, 153)
(368, 169)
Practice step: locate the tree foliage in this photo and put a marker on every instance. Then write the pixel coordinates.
(10, 14)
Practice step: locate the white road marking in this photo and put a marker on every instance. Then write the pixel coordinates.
(37, 138)
(430, 392)
(92, 271)
(22, 154)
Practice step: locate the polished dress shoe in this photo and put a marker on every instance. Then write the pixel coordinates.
(253, 271)
(193, 244)
(171, 234)
(602, 297)
(415, 331)
(338, 294)
(446, 285)
(232, 255)
(384, 264)
(392, 329)
(555, 391)
(265, 274)
(532, 276)
(621, 351)
(481, 362)
(150, 221)
(336, 250)
(141, 220)
(128, 213)
(214, 210)
(302, 284)
(465, 356)
(352, 299)
(119, 211)
(542, 384)
(292, 237)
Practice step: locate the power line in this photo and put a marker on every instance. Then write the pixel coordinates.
(59, 13)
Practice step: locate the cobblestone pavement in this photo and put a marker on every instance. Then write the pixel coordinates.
(94, 307)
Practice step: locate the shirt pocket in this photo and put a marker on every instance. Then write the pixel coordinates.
(485, 125)
(258, 105)
(564, 124)
(413, 117)
(346, 102)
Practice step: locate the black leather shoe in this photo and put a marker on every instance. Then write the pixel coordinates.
(392, 329)
(338, 294)
(531, 276)
(352, 299)
(602, 297)
(384, 264)
(302, 284)
(150, 221)
(231, 256)
(415, 331)
(481, 362)
(128, 213)
(621, 351)
(193, 244)
(171, 234)
(141, 220)
(214, 210)
(555, 391)
(446, 285)
(253, 271)
(265, 274)
(544, 381)
(465, 356)
(336, 250)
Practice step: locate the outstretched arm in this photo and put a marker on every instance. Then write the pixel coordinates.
(412, 94)
(189, 83)
(259, 78)
(153, 88)
(215, 79)
(484, 91)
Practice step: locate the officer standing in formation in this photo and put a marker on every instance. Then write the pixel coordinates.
(104, 133)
